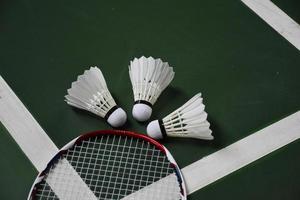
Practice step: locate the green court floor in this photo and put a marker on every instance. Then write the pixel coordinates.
(247, 73)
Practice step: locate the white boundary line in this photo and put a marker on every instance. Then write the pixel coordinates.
(25, 130)
(241, 153)
(37, 146)
(277, 19)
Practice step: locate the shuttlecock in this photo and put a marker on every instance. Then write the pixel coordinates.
(90, 93)
(190, 121)
(149, 77)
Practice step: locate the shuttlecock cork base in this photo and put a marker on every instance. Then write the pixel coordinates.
(156, 129)
(142, 110)
(116, 116)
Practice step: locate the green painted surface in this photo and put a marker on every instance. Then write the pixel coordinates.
(248, 74)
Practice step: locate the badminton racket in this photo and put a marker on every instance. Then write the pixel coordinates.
(114, 165)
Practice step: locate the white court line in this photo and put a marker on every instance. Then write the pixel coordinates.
(241, 153)
(37, 146)
(277, 19)
(25, 130)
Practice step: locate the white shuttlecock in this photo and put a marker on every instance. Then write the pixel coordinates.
(149, 77)
(90, 93)
(190, 121)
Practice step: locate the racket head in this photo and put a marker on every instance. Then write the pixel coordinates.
(115, 164)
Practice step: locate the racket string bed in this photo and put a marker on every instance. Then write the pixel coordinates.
(116, 167)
